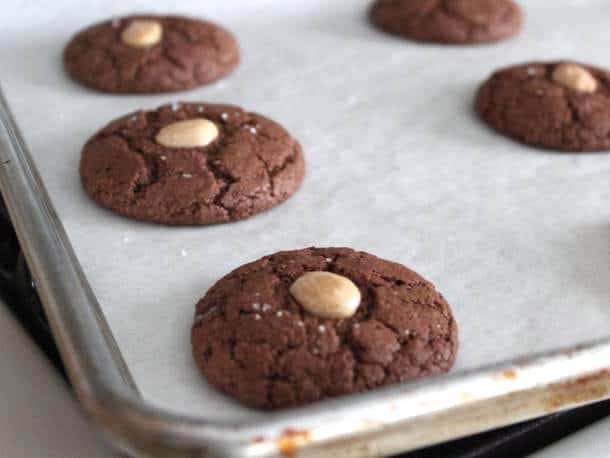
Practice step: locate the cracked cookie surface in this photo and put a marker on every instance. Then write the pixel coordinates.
(448, 21)
(190, 53)
(526, 104)
(253, 341)
(254, 164)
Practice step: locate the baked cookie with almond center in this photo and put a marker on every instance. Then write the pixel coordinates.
(150, 54)
(191, 164)
(299, 326)
(562, 106)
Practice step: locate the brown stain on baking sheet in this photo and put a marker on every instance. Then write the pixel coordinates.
(579, 391)
(291, 440)
(509, 374)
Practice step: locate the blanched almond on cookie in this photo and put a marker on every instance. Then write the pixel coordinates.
(326, 295)
(575, 77)
(191, 133)
(142, 33)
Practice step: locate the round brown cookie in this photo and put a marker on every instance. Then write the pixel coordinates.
(556, 105)
(254, 341)
(448, 21)
(252, 164)
(150, 54)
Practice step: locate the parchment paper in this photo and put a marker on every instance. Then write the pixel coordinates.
(517, 239)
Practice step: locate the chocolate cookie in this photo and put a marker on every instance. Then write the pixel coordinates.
(191, 163)
(150, 54)
(448, 21)
(299, 326)
(557, 105)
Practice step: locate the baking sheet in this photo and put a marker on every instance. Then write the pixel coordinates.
(517, 239)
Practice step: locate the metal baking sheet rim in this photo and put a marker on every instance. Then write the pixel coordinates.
(390, 420)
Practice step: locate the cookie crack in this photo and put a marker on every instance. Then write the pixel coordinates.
(422, 17)
(187, 37)
(226, 180)
(470, 23)
(138, 187)
(114, 64)
(173, 62)
(210, 38)
(274, 172)
(574, 114)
